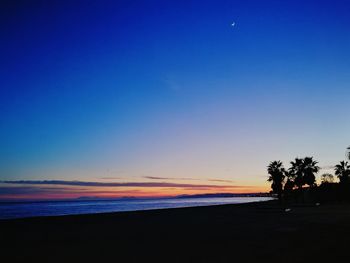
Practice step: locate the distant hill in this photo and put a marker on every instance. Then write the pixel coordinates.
(126, 198)
(224, 195)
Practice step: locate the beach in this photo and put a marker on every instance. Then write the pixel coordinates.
(255, 232)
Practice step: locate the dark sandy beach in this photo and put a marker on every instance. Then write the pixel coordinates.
(256, 232)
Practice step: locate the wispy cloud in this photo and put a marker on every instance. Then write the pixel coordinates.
(220, 180)
(170, 178)
(186, 178)
(28, 189)
(114, 184)
(39, 192)
(20, 190)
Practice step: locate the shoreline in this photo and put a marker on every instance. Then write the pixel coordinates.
(249, 232)
(196, 202)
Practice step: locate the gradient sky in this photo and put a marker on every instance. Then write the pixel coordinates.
(151, 92)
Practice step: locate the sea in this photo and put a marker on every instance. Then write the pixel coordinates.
(9, 210)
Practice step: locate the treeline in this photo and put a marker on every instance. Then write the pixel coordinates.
(298, 182)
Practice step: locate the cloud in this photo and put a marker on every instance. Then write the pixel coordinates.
(220, 180)
(168, 178)
(170, 82)
(20, 190)
(114, 184)
(184, 178)
(30, 190)
(39, 192)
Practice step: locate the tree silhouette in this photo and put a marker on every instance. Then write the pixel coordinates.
(342, 171)
(296, 171)
(310, 168)
(303, 171)
(327, 178)
(289, 185)
(277, 175)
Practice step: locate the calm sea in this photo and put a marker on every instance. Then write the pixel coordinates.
(55, 208)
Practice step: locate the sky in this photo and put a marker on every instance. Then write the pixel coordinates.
(159, 98)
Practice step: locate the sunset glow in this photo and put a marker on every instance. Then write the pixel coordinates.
(62, 190)
(199, 96)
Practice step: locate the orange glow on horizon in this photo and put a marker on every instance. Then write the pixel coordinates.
(72, 192)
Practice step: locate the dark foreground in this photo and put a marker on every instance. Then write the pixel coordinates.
(257, 232)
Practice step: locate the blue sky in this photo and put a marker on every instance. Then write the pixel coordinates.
(128, 89)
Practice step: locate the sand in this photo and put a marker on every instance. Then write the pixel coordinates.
(256, 232)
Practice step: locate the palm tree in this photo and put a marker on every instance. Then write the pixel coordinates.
(289, 185)
(342, 170)
(297, 171)
(310, 168)
(277, 175)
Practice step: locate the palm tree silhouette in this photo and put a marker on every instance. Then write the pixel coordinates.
(289, 185)
(310, 168)
(277, 175)
(303, 172)
(296, 171)
(342, 170)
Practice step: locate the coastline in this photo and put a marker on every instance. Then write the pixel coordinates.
(61, 208)
(250, 232)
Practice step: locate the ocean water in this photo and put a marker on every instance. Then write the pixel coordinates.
(55, 208)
